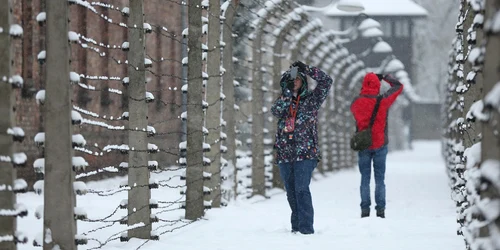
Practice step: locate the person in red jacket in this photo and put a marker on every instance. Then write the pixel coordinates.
(362, 108)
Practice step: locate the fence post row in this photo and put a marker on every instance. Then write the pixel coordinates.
(213, 113)
(194, 172)
(334, 117)
(278, 22)
(470, 120)
(305, 32)
(457, 164)
(490, 154)
(8, 225)
(9, 135)
(139, 195)
(320, 63)
(258, 166)
(228, 113)
(327, 132)
(59, 227)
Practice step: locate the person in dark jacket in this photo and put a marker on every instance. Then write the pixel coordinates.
(297, 149)
(362, 108)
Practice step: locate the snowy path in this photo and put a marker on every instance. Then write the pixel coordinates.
(420, 215)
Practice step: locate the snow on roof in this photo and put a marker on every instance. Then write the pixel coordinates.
(382, 8)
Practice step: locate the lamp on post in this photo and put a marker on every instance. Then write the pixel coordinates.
(363, 24)
(350, 6)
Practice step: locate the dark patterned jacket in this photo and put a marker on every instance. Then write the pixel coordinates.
(304, 144)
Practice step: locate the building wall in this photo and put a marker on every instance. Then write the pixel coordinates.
(89, 63)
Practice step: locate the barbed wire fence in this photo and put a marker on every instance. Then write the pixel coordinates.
(470, 115)
(10, 135)
(138, 204)
(212, 167)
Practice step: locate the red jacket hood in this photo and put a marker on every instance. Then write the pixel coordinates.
(371, 85)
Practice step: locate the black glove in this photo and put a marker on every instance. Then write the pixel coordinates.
(380, 77)
(285, 82)
(302, 66)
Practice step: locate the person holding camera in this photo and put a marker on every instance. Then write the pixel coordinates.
(297, 148)
(370, 110)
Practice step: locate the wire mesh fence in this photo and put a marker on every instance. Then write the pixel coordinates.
(177, 111)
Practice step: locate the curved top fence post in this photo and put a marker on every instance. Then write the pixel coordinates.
(228, 11)
(258, 173)
(304, 33)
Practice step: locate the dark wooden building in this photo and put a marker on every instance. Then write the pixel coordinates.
(396, 19)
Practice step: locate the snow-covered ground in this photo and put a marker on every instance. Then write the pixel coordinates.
(420, 214)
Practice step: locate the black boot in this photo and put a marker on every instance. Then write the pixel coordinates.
(365, 213)
(381, 213)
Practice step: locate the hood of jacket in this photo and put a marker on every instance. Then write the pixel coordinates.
(371, 85)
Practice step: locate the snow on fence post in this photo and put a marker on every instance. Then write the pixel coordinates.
(59, 227)
(326, 63)
(490, 149)
(258, 167)
(213, 112)
(455, 150)
(8, 225)
(333, 113)
(471, 90)
(462, 110)
(300, 38)
(194, 158)
(258, 171)
(465, 129)
(315, 52)
(331, 49)
(337, 119)
(277, 68)
(9, 186)
(318, 42)
(322, 165)
(470, 87)
(328, 140)
(324, 129)
(228, 114)
(462, 130)
(139, 194)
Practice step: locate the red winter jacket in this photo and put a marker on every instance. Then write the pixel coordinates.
(362, 107)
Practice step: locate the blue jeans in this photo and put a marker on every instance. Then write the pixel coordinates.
(297, 177)
(365, 158)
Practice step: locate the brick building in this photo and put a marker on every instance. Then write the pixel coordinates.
(87, 62)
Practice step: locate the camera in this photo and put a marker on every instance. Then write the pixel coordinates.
(294, 71)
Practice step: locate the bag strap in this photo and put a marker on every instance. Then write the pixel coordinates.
(375, 110)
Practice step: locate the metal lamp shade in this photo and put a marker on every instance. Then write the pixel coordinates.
(350, 6)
